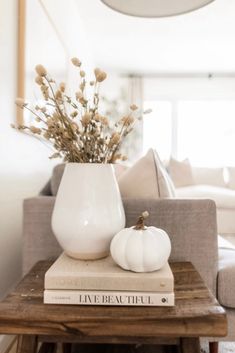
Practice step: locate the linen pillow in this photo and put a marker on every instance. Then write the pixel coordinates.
(209, 176)
(59, 170)
(180, 172)
(147, 178)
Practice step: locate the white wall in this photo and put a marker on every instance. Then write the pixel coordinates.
(24, 164)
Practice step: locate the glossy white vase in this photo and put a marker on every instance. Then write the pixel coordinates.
(88, 210)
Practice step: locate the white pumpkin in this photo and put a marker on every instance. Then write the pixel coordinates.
(141, 248)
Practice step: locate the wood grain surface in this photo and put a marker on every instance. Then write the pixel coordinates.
(196, 313)
(27, 344)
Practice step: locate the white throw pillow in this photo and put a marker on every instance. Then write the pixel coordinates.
(147, 178)
(180, 172)
(209, 176)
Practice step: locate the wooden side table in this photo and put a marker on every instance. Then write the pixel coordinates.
(196, 314)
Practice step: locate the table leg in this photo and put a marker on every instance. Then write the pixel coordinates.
(190, 345)
(27, 344)
(214, 347)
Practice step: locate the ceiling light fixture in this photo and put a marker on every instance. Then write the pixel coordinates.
(155, 8)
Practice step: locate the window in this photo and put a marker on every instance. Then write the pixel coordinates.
(201, 130)
(157, 127)
(206, 132)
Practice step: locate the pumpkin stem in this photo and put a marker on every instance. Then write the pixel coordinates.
(140, 223)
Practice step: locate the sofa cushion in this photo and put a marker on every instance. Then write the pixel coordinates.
(147, 178)
(226, 277)
(226, 222)
(209, 176)
(223, 197)
(180, 172)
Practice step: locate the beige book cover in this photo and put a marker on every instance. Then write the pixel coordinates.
(104, 274)
(122, 298)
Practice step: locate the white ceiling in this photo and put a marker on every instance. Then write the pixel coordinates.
(200, 41)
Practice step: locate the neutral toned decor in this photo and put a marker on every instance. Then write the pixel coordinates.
(197, 313)
(141, 248)
(104, 275)
(191, 225)
(73, 126)
(103, 282)
(147, 178)
(155, 8)
(88, 210)
(208, 183)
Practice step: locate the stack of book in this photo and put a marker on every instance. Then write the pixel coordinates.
(102, 282)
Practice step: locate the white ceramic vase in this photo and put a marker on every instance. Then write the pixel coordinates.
(88, 210)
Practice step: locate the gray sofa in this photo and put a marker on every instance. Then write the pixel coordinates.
(191, 225)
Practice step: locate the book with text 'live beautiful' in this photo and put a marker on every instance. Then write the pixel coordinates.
(104, 275)
(115, 298)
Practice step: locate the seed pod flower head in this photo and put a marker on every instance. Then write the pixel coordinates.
(39, 80)
(76, 62)
(40, 70)
(100, 75)
(133, 107)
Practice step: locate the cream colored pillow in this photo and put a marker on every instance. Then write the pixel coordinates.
(147, 178)
(180, 172)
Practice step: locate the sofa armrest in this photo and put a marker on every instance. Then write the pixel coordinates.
(191, 225)
(39, 243)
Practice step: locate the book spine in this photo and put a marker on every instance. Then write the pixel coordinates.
(116, 284)
(116, 298)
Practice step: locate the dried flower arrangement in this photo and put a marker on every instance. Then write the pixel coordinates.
(74, 127)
